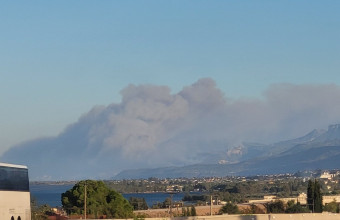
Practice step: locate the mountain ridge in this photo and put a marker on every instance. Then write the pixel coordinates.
(318, 149)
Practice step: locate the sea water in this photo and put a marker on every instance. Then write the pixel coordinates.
(51, 195)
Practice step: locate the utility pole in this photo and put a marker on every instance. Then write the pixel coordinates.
(85, 195)
(171, 195)
(211, 202)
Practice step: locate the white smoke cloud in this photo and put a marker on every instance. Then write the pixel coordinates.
(152, 127)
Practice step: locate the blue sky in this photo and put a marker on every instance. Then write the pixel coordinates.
(61, 58)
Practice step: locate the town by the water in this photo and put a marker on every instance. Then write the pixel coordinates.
(297, 196)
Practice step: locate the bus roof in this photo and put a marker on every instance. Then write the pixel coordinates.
(12, 165)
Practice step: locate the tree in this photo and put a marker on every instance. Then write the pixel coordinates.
(184, 213)
(317, 198)
(332, 207)
(295, 208)
(254, 209)
(39, 212)
(100, 200)
(229, 208)
(314, 197)
(276, 207)
(194, 198)
(138, 203)
(167, 202)
(193, 211)
(187, 213)
(310, 195)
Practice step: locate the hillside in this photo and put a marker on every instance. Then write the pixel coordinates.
(318, 149)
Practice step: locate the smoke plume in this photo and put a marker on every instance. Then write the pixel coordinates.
(152, 127)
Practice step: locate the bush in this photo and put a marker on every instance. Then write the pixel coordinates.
(276, 207)
(332, 207)
(229, 208)
(296, 208)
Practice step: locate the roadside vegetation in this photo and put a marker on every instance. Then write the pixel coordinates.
(39, 212)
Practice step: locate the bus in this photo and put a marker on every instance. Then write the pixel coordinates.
(15, 203)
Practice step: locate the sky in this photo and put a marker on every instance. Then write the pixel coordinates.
(59, 59)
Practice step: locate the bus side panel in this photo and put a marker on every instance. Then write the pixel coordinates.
(13, 203)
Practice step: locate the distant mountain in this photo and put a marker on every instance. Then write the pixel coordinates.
(319, 149)
(333, 133)
(247, 150)
(285, 145)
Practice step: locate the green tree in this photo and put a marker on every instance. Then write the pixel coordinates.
(229, 208)
(318, 198)
(39, 212)
(194, 198)
(295, 208)
(100, 200)
(254, 209)
(276, 207)
(138, 203)
(310, 195)
(332, 207)
(193, 211)
(314, 197)
(188, 211)
(184, 213)
(167, 202)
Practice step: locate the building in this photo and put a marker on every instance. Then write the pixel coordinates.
(302, 199)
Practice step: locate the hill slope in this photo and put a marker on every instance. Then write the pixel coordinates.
(317, 150)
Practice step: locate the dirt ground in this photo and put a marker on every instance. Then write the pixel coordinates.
(200, 211)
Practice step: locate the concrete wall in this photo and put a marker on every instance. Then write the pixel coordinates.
(315, 216)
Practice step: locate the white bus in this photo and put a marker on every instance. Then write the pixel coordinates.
(15, 201)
